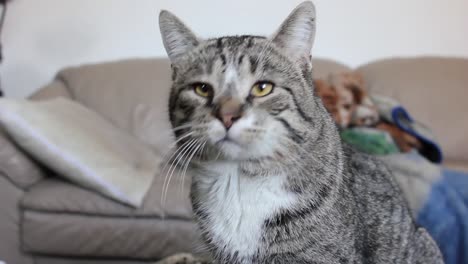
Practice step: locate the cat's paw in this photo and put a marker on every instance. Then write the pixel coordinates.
(182, 258)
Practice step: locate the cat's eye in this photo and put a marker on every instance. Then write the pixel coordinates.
(202, 89)
(261, 89)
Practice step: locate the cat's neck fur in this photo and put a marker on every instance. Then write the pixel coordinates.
(236, 205)
(236, 200)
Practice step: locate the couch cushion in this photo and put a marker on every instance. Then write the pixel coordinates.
(434, 90)
(17, 165)
(89, 236)
(64, 260)
(117, 90)
(81, 146)
(55, 195)
(10, 243)
(101, 227)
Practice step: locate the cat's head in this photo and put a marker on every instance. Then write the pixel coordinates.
(242, 97)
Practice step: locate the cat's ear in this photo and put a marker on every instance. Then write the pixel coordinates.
(177, 37)
(296, 35)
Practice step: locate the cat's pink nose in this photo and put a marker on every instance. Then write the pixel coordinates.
(228, 112)
(229, 119)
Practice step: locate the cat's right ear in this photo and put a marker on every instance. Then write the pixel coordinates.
(177, 37)
(296, 35)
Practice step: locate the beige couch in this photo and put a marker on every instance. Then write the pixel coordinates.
(46, 220)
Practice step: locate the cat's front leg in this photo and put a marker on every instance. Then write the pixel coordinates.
(184, 258)
(293, 259)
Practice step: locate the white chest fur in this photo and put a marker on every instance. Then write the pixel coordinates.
(238, 205)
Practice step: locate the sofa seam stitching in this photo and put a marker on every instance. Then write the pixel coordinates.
(16, 185)
(88, 214)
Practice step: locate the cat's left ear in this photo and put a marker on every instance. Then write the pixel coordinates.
(296, 35)
(178, 39)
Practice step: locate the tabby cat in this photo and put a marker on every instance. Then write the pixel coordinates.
(272, 181)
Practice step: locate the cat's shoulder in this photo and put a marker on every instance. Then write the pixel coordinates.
(358, 161)
(366, 171)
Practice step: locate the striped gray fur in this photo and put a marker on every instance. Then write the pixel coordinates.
(274, 183)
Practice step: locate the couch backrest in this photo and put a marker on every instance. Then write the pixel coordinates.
(133, 94)
(434, 90)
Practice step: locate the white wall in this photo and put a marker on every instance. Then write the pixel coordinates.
(41, 36)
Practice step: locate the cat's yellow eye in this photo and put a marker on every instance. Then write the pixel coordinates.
(202, 89)
(261, 89)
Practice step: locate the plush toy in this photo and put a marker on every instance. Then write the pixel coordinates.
(346, 98)
(329, 98)
(355, 107)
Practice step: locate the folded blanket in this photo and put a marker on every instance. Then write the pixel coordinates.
(391, 111)
(370, 140)
(438, 199)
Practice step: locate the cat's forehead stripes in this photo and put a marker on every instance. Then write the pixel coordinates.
(229, 50)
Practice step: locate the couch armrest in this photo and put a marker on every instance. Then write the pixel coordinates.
(57, 88)
(16, 166)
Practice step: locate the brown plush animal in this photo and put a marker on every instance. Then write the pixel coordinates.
(355, 106)
(329, 98)
(346, 98)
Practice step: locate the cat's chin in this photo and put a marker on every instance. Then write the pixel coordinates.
(231, 150)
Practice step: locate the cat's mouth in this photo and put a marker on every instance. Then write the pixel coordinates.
(230, 148)
(227, 141)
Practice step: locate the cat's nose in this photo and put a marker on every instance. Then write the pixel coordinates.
(229, 111)
(229, 119)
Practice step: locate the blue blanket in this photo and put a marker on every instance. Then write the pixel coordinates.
(438, 199)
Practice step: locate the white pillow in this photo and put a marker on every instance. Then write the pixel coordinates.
(82, 147)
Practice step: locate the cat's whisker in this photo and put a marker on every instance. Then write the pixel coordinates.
(179, 150)
(186, 159)
(174, 152)
(203, 149)
(174, 129)
(191, 126)
(175, 161)
(202, 145)
(201, 153)
(174, 144)
(217, 156)
(173, 167)
(188, 125)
